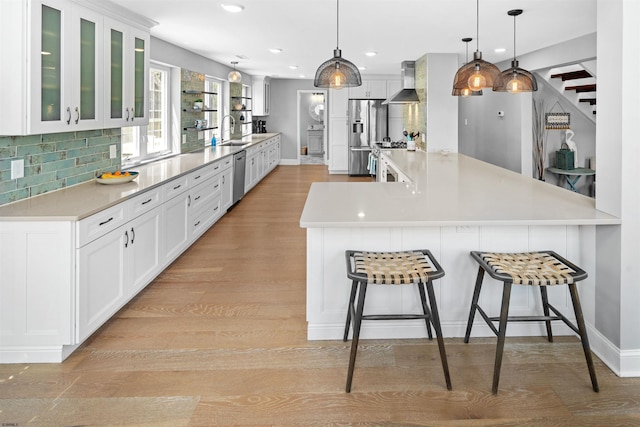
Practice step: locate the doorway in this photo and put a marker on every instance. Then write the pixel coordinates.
(312, 129)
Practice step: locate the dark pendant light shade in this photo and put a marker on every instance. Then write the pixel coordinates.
(515, 79)
(466, 91)
(337, 72)
(477, 74)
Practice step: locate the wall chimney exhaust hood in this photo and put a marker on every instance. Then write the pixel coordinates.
(408, 94)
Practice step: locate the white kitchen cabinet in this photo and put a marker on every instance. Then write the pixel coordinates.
(261, 94)
(175, 213)
(126, 74)
(144, 253)
(338, 103)
(338, 145)
(226, 197)
(101, 280)
(36, 304)
(370, 89)
(54, 82)
(57, 80)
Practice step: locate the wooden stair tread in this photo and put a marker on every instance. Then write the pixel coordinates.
(572, 75)
(582, 88)
(591, 101)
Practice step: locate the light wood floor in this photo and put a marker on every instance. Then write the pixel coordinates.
(219, 339)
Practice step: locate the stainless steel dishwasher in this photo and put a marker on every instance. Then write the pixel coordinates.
(239, 160)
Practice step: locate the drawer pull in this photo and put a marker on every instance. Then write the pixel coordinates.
(144, 203)
(215, 209)
(197, 177)
(216, 186)
(177, 186)
(198, 198)
(196, 224)
(105, 222)
(216, 168)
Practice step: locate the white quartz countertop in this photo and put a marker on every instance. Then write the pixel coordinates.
(447, 190)
(83, 200)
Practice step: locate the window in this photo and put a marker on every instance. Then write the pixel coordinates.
(141, 143)
(212, 97)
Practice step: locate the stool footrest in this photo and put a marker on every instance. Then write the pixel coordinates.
(394, 316)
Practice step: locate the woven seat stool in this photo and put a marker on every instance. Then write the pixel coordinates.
(417, 267)
(542, 269)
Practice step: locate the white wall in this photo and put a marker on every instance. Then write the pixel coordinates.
(490, 138)
(442, 108)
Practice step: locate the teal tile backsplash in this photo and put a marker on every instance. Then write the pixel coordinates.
(55, 161)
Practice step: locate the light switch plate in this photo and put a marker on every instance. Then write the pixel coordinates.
(112, 151)
(17, 169)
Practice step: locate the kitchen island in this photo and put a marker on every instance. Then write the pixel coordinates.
(451, 204)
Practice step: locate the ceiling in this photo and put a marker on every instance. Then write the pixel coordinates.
(396, 29)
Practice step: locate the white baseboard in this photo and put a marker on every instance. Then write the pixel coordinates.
(40, 354)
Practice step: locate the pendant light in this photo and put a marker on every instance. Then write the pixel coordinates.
(466, 91)
(477, 74)
(337, 72)
(515, 79)
(235, 76)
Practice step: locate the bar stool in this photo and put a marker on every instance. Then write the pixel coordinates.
(392, 268)
(545, 268)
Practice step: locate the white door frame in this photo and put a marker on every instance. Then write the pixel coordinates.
(325, 148)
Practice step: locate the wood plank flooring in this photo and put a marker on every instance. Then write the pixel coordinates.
(219, 339)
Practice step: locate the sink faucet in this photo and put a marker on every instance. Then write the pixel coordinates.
(232, 126)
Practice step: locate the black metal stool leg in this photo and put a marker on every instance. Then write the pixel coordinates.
(474, 303)
(435, 319)
(352, 298)
(545, 309)
(502, 332)
(425, 310)
(357, 322)
(575, 299)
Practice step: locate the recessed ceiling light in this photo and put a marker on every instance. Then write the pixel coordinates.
(499, 50)
(232, 7)
(275, 50)
(371, 53)
(293, 67)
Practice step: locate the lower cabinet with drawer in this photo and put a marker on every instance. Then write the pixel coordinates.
(89, 269)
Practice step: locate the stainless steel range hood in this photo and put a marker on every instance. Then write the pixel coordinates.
(408, 94)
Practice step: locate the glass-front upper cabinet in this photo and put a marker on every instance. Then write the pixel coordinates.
(126, 75)
(66, 67)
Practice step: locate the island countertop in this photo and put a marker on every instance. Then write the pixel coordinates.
(82, 200)
(447, 189)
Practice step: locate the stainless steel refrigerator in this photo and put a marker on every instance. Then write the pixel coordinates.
(368, 121)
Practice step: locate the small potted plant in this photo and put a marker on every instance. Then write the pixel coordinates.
(197, 104)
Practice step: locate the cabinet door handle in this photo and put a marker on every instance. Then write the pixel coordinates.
(68, 115)
(223, 179)
(105, 222)
(133, 115)
(77, 115)
(145, 202)
(127, 110)
(126, 243)
(177, 186)
(189, 200)
(133, 235)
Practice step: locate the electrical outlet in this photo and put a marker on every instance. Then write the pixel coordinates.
(184, 139)
(112, 151)
(17, 169)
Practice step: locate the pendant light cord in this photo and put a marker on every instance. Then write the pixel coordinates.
(477, 25)
(337, 24)
(514, 37)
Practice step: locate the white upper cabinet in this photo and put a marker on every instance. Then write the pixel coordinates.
(370, 89)
(126, 75)
(261, 95)
(56, 79)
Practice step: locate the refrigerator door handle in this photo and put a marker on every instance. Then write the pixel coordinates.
(360, 148)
